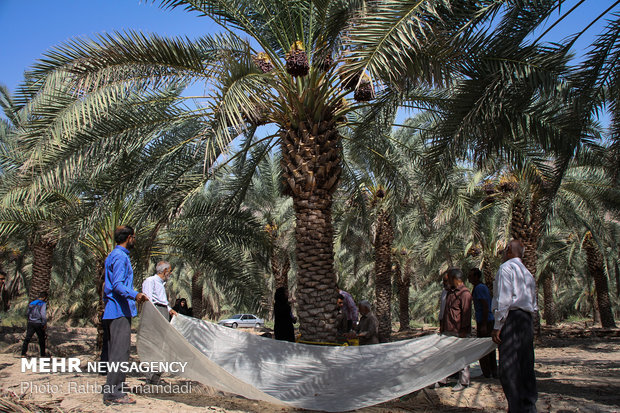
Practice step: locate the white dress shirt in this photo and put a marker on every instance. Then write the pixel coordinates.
(154, 288)
(514, 288)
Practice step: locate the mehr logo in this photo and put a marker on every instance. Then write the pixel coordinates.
(51, 365)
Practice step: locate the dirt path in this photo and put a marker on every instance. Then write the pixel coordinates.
(575, 374)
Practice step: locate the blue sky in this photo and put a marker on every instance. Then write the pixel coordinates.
(29, 28)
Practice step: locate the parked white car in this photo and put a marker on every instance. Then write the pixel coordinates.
(243, 320)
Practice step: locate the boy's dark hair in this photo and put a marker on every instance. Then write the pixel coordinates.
(122, 233)
(476, 273)
(340, 297)
(43, 296)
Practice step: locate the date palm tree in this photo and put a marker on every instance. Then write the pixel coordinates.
(294, 74)
(39, 212)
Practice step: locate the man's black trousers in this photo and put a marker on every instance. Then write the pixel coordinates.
(31, 329)
(516, 362)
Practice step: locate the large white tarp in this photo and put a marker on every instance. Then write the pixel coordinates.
(311, 377)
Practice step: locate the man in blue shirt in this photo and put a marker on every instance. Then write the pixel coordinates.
(120, 306)
(484, 319)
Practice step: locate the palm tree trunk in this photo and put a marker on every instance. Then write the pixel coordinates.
(383, 274)
(528, 232)
(316, 280)
(596, 314)
(550, 310)
(597, 271)
(197, 298)
(404, 281)
(311, 155)
(488, 274)
(279, 268)
(43, 252)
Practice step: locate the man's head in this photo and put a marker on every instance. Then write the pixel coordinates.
(43, 296)
(340, 300)
(163, 270)
(474, 276)
(514, 249)
(455, 277)
(183, 302)
(124, 236)
(2, 279)
(445, 281)
(364, 307)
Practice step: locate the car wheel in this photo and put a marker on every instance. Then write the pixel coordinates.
(234, 325)
(257, 325)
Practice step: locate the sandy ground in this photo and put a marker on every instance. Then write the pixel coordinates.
(578, 371)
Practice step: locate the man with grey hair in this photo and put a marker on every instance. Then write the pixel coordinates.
(154, 288)
(368, 328)
(514, 303)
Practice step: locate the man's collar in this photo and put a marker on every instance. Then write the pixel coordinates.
(125, 250)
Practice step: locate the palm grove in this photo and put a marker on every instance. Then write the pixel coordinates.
(296, 168)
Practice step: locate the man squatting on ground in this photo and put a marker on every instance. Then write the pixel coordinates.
(514, 304)
(154, 287)
(120, 306)
(368, 328)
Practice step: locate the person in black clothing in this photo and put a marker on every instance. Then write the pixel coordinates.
(180, 306)
(37, 323)
(183, 308)
(283, 327)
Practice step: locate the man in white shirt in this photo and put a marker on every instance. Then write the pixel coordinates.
(514, 303)
(154, 288)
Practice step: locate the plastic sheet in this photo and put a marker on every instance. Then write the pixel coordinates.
(300, 375)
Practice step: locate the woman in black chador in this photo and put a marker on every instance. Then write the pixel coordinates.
(283, 327)
(181, 307)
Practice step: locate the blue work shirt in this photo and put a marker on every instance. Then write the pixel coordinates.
(481, 292)
(118, 292)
